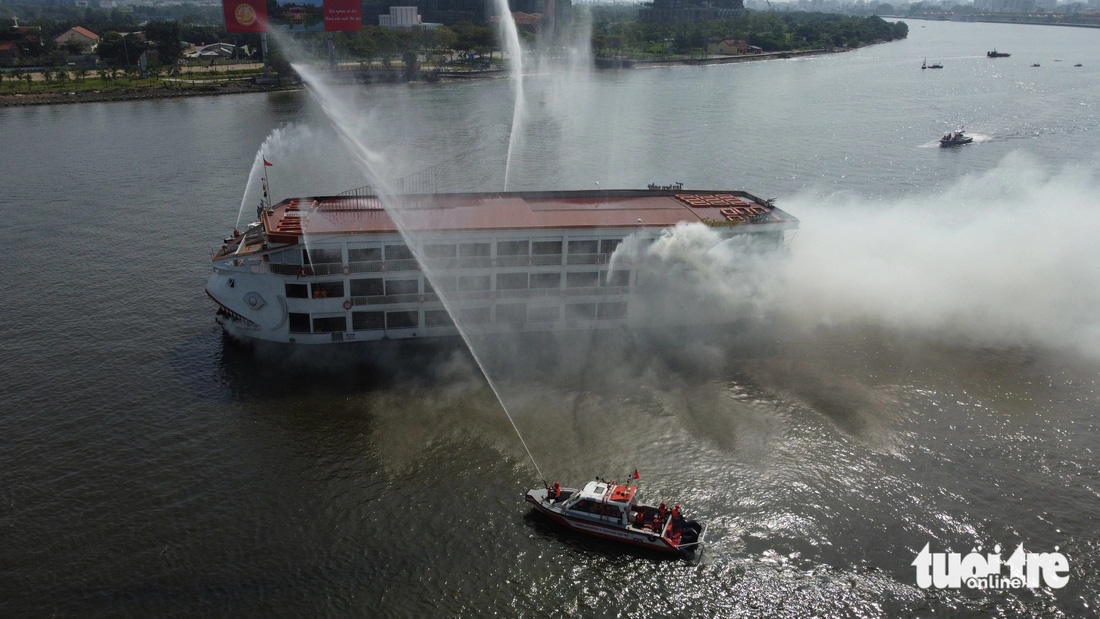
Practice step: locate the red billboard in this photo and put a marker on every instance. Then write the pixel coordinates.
(343, 15)
(245, 15)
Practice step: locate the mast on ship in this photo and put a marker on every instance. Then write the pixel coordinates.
(265, 201)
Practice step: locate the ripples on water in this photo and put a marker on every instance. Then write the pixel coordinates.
(152, 467)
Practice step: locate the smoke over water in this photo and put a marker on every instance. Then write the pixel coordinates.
(1004, 258)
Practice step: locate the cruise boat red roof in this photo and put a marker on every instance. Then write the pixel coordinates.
(510, 211)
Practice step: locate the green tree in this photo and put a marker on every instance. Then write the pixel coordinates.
(73, 48)
(174, 72)
(366, 49)
(443, 38)
(164, 36)
(119, 51)
(473, 38)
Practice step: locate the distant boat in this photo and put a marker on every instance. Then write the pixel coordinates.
(997, 54)
(1035, 65)
(1078, 64)
(925, 65)
(957, 138)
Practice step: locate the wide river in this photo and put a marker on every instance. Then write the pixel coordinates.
(922, 368)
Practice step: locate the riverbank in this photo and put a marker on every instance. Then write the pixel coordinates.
(166, 90)
(135, 93)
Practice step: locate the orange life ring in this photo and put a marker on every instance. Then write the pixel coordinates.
(346, 269)
(302, 272)
(347, 304)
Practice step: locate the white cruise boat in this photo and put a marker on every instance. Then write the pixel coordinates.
(335, 269)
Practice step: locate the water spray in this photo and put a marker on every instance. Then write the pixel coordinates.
(371, 164)
(511, 39)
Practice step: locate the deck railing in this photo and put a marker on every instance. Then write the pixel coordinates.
(442, 264)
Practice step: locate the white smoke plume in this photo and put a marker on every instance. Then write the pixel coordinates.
(1008, 257)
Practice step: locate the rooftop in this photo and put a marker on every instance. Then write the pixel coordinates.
(514, 211)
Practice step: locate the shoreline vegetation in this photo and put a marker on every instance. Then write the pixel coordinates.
(46, 75)
(250, 79)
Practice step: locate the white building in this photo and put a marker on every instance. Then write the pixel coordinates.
(400, 17)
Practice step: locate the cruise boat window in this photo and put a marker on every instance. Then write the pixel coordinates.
(402, 286)
(546, 280)
(370, 287)
(365, 254)
(398, 252)
(612, 311)
(330, 324)
(618, 278)
(328, 290)
(513, 248)
(544, 314)
(511, 281)
(402, 320)
(583, 247)
(299, 323)
(582, 279)
(297, 291)
(282, 257)
(319, 255)
(474, 315)
(546, 248)
(608, 246)
(466, 250)
(440, 251)
(446, 283)
(473, 282)
(368, 321)
(511, 312)
(437, 318)
(580, 311)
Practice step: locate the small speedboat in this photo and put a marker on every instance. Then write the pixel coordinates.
(610, 510)
(957, 138)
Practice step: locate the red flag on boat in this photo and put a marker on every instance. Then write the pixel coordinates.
(268, 163)
(635, 473)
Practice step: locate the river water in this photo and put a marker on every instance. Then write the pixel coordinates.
(923, 371)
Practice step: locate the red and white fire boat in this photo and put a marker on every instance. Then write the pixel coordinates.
(612, 511)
